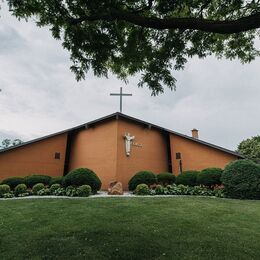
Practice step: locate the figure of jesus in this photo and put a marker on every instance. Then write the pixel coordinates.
(128, 142)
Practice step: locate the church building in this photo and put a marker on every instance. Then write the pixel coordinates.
(115, 147)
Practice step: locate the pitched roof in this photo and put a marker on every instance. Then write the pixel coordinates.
(118, 115)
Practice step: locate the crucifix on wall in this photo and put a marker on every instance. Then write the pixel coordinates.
(121, 94)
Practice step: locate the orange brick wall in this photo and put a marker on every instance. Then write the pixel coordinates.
(34, 158)
(151, 156)
(95, 148)
(196, 156)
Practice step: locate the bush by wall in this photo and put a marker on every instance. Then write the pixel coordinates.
(82, 176)
(13, 181)
(56, 180)
(187, 178)
(4, 189)
(166, 178)
(241, 180)
(143, 177)
(142, 189)
(21, 190)
(37, 187)
(209, 177)
(31, 180)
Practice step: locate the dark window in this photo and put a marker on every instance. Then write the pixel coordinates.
(178, 155)
(57, 156)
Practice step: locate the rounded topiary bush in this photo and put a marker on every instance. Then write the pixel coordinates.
(187, 178)
(82, 176)
(37, 187)
(166, 178)
(84, 190)
(56, 180)
(20, 189)
(143, 177)
(142, 189)
(241, 179)
(4, 188)
(13, 181)
(209, 177)
(31, 180)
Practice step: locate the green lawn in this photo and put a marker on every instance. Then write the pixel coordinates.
(130, 228)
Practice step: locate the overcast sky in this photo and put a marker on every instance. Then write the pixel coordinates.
(41, 96)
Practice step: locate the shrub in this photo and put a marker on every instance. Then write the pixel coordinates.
(13, 181)
(31, 180)
(54, 187)
(142, 189)
(159, 190)
(56, 180)
(37, 187)
(60, 192)
(20, 189)
(7, 195)
(4, 188)
(209, 177)
(166, 178)
(241, 179)
(72, 191)
(187, 178)
(84, 190)
(143, 177)
(82, 176)
(43, 192)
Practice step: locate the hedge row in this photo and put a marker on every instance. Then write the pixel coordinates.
(240, 179)
(75, 178)
(21, 190)
(209, 177)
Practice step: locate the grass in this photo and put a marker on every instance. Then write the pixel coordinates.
(130, 228)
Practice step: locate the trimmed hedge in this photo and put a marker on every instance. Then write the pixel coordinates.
(143, 177)
(20, 189)
(187, 178)
(209, 177)
(31, 180)
(142, 189)
(166, 178)
(56, 180)
(4, 188)
(13, 181)
(84, 190)
(37, 187)
(82, 176)
(241, 179)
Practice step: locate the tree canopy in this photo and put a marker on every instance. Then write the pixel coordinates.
(6, 143)
(151, 38)
(250, 148)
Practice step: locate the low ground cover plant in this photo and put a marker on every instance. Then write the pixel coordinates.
(143, 189)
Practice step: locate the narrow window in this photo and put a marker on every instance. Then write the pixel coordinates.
(57, 156)
(178, 156)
